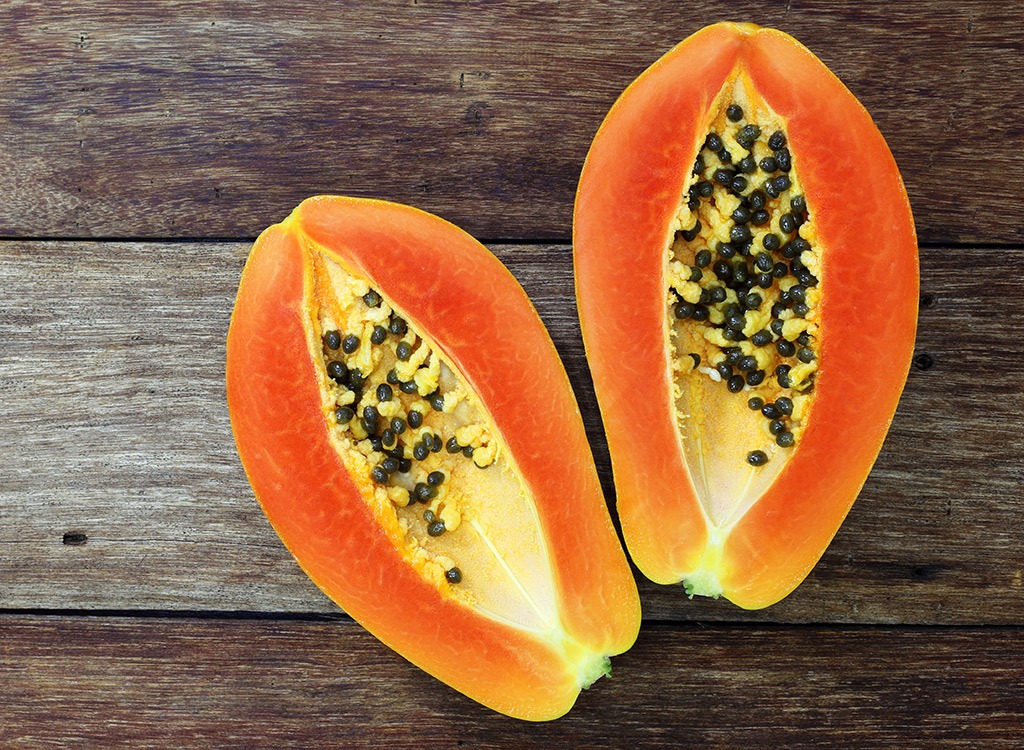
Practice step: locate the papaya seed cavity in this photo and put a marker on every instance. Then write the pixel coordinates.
(743, 274)
(423, 451)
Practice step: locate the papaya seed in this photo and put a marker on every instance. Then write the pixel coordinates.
(722, 176)
(337, 371)
(684, 310)
(747, 135)
(332, 339)
(397, 326)
(747, 364)
(690, 234)
(757, 458)
(355, 380)
(783, 159)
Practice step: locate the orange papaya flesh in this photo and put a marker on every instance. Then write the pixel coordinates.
(747, 283)
(410, 432)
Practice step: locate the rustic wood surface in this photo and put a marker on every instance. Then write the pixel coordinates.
(144, 599)
(187, 118)
(158, 683)
(115, 428)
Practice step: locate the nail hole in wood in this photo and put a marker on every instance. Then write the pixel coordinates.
(924, 361)
(75, 539)
(925, 572)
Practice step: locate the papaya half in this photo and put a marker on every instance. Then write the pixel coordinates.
(747, 284)
(406, 423)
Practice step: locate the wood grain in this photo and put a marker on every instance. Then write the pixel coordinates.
(97, 682)
(121, 488)
(186, 118)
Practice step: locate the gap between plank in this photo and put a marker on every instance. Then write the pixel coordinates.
(499, 241)
(320, 617)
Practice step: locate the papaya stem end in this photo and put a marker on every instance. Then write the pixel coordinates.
(595, 670)
(702, 583)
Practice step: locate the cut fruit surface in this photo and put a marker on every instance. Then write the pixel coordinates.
(409, 430)
(746, 270)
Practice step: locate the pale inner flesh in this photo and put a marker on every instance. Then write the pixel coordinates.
(475, 534)
(742, 298)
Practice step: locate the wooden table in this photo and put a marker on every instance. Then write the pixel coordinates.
(146, 601)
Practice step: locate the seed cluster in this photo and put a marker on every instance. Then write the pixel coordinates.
(389, 419)
(742, 276)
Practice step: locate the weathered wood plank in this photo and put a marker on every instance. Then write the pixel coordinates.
(113, 426)
(226, 683)
(183, 118)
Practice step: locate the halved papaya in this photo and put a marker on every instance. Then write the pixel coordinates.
(411, 434)
(747, 283)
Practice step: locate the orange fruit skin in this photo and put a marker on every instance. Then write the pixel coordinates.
(456, 292)
(629, 191)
